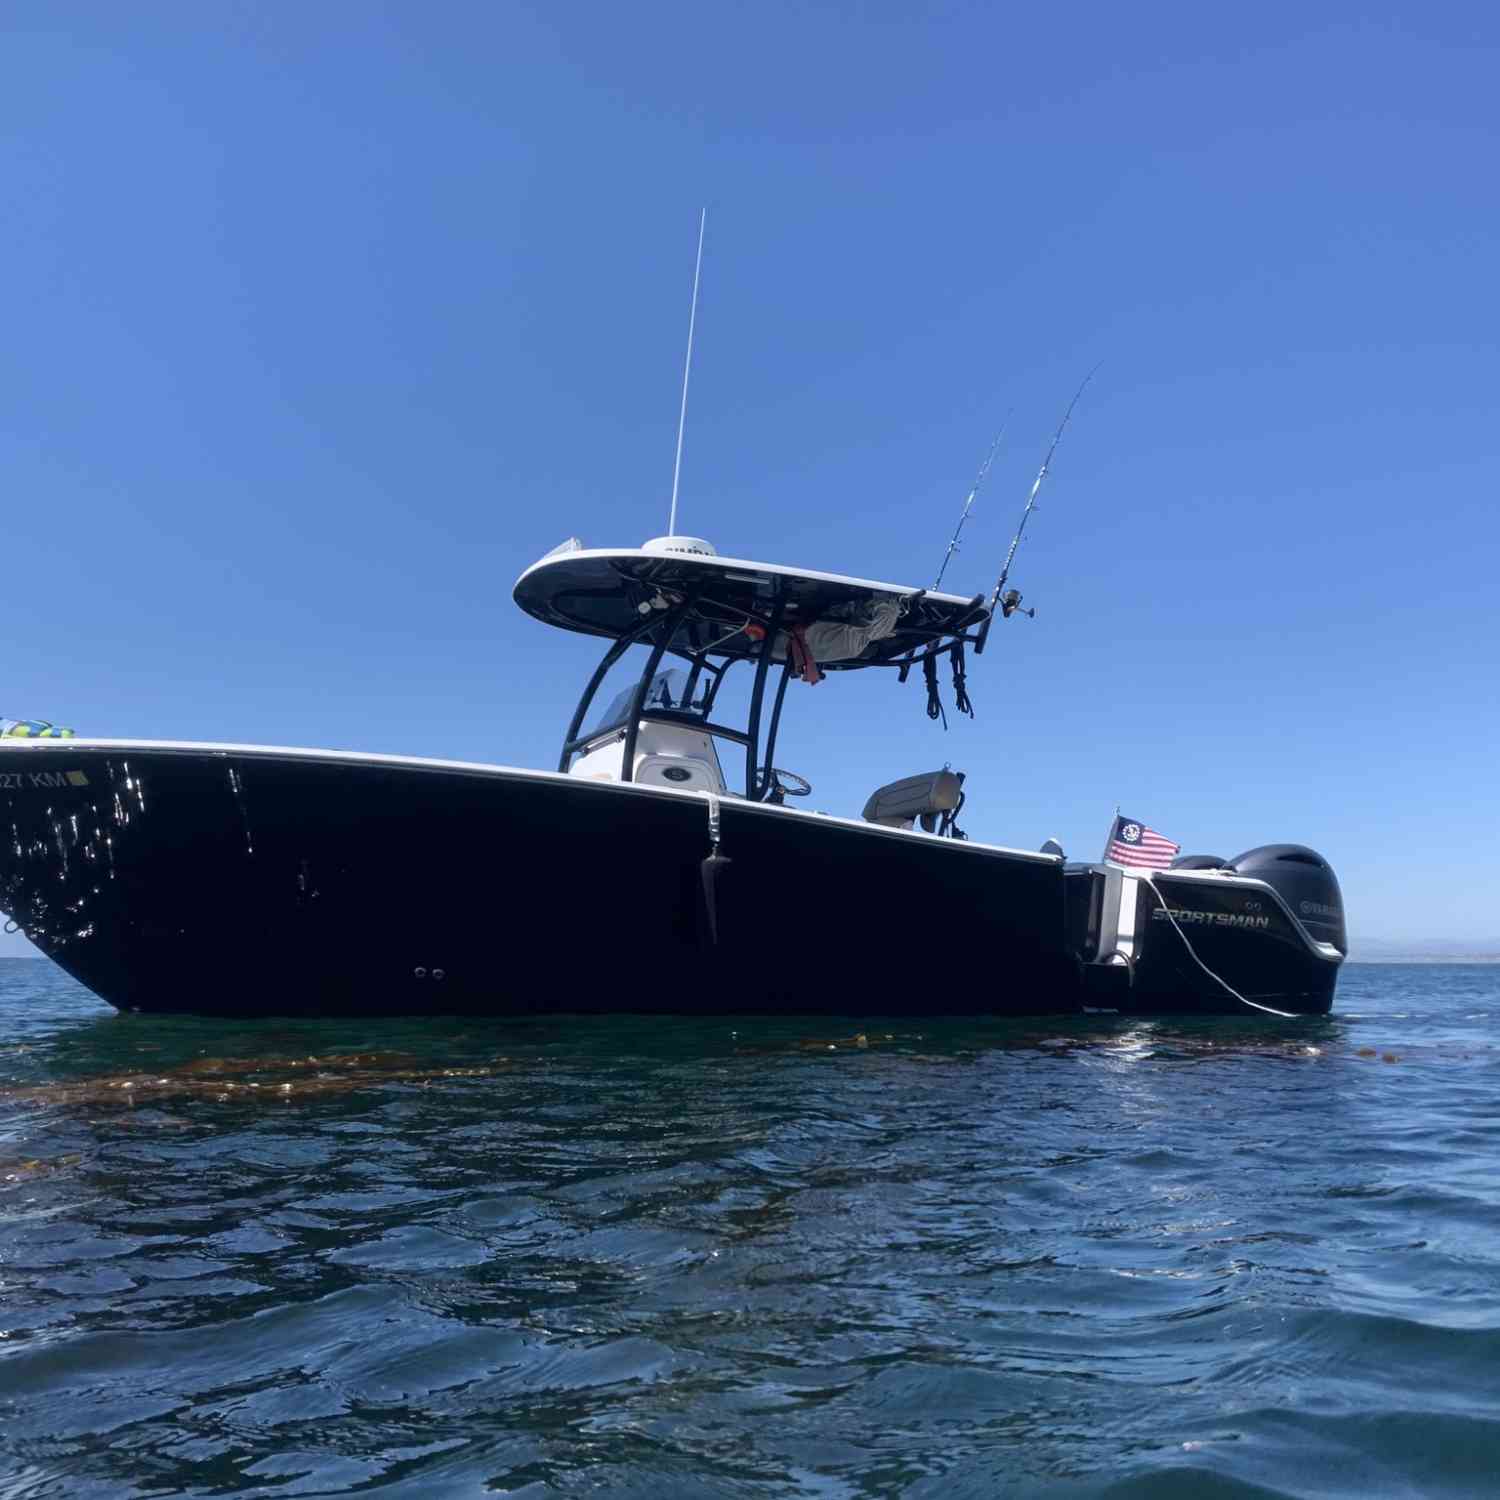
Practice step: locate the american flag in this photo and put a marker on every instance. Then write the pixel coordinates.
(1132, 843)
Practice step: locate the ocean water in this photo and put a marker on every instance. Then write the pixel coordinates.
(1082, 1257)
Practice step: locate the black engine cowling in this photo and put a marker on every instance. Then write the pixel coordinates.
(1305, 881)
(1197, 862)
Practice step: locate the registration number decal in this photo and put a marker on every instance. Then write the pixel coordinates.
(23, 781)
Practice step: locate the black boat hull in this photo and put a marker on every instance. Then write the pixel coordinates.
(242, 881)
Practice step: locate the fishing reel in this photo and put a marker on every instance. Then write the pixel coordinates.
(1010, 604)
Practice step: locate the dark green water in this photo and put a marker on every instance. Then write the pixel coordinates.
(653, 1258)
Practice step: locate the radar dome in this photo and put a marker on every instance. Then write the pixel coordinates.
(694, 546)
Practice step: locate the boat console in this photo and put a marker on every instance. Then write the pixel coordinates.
(673, 745)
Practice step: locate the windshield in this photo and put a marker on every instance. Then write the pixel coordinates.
(668, 690)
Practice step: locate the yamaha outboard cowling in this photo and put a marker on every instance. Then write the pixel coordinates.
(1305, 881)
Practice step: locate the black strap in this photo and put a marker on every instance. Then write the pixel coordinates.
(950, 826)
(934, 703)
(960, 691)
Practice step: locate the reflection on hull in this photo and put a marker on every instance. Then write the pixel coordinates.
(237, 881)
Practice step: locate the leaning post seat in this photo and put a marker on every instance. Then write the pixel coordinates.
(927, 797)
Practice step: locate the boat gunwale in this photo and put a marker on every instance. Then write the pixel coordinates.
(481, 769)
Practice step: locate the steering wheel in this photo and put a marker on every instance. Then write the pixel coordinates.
(786, 784)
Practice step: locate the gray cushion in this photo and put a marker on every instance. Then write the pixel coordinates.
(924, 796)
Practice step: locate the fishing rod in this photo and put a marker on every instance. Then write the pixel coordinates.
(934, 703)
(973, 495)
(1011, 602)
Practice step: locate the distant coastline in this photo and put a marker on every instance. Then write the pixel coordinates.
(1425, 958)
(1367, 950)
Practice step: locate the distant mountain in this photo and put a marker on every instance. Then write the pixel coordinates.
(1374, 950)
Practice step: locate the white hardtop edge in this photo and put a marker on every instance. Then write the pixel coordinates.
(481, 768)
(735, 565)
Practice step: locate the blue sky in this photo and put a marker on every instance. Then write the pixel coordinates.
(322, 322)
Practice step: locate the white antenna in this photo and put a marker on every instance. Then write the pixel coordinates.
(686, 371)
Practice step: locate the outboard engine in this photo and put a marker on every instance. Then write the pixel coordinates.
(1197, 862)
(1305, 881)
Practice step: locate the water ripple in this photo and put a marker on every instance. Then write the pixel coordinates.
(1094, 1258)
